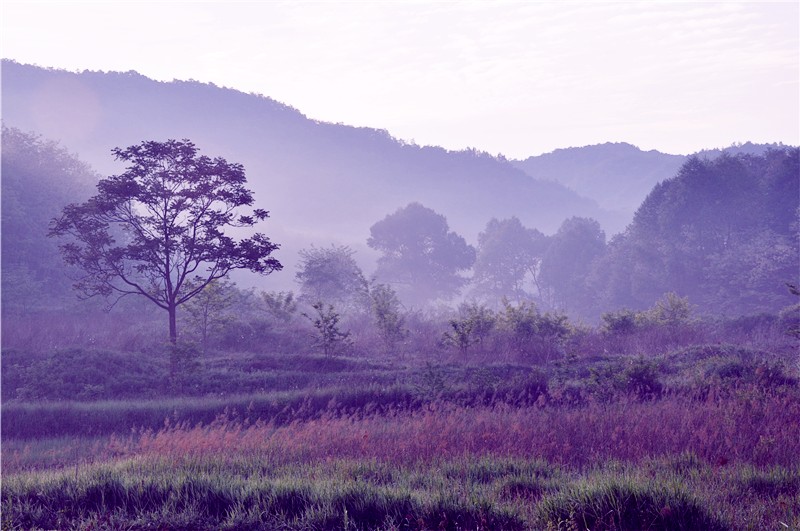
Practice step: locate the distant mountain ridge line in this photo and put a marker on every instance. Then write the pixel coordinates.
(278, 104)
(323, 182)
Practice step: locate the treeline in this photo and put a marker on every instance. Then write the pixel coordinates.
(723, 233)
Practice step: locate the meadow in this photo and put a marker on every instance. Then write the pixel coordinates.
(658, 429)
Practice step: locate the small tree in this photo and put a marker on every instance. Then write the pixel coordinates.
(388, 319)
(473, 326)
(326, 322)
(482, 321)
(157, 230)
(207, 312)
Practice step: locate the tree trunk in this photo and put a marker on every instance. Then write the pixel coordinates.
(173, 326)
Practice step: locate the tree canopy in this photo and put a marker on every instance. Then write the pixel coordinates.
(724, 231)
(157, 229)
(508, 261)
(421, 257)
(567, 262)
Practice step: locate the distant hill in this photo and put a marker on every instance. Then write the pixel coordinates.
(328, 183)
(322, 182)
(616, 175)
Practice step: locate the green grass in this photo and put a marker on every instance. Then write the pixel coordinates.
(622, 502)
(464, 493)
(58, 471)
(283, 389)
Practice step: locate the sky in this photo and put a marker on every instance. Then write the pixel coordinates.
(511, 78)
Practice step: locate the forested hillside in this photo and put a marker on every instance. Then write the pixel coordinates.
(720, 229)
(322, 182)
(723, 232)
(39, 178)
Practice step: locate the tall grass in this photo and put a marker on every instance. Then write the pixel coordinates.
(47, 419)
(131, 331)
(248, 492)
(752, 428)
(241, 495)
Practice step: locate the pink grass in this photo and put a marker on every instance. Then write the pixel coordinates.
(753, 428)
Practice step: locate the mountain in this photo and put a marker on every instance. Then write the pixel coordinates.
(323, 183)
(616, 175)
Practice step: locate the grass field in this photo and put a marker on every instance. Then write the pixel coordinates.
(703, 436)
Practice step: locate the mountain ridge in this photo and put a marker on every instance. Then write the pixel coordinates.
(322, 182)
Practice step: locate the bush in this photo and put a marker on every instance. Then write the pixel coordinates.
(620, 323)
(641, 380)
(669, 310)
(531, 335)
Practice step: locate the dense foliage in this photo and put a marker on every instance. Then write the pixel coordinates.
(421, 256)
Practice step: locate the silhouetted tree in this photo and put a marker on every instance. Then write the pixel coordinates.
(421, 256)
(156, 230)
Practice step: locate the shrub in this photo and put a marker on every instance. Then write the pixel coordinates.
(531, 335)
(641, 379)
(726, 369)
(669, 310)
(619, 323)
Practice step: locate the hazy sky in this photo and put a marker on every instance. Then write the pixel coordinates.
(518, 78)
